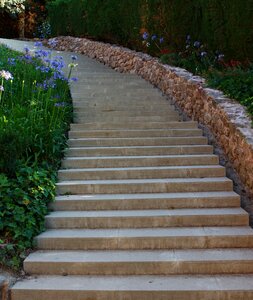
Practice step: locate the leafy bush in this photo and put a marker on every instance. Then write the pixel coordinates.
(22, 209)
(234, 82)
(35, 112)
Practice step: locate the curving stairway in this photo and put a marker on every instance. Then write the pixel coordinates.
(144, 210)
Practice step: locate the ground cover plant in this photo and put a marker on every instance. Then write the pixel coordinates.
(35, 112)
(233, 77)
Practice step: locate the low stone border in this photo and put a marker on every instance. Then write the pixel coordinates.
(226, 119)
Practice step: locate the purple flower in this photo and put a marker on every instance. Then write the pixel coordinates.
(196, 44)
(52, 43)
(12, 61)
(145, 36)
(42, 53)
(73, 57)
(43, 69)
(60, 104)
(74, 79)
(161, 40)
(1, 88)
(58, 75)
(28, 56)
(26, 49)
(203, 54)
(188, 38)
(153, 37)
(38, 44)
(57, 64)
(6, 75)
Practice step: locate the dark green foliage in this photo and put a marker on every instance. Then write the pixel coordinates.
(236, 83)
(110, 20)
(23, 206)
(225, 25)
(34, 119)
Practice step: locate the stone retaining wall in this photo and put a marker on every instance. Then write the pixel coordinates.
(226, 119)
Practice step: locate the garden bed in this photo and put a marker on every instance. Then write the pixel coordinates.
(35, 113)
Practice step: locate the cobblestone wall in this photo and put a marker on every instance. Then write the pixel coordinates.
(226, 119)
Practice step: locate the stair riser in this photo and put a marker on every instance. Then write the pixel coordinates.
(147, 222)
(129, 295)
(148, 133)
(128, 113)
(110, 87)
(87, 119)
(166, 141)
(144, 204)
(72, 152)
(133, 102)
(140, 162)
(135, 125)
(141, 174)
(78, 189)
(87, 106)
(177, 242)
(140, 268)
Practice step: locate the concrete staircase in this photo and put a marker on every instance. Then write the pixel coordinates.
(144, 211)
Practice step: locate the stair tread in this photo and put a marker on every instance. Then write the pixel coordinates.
(145, 181)
(138, 283)
(175, 255)
(132, 157)
(148, 213)
(106, 197)
(147, 232)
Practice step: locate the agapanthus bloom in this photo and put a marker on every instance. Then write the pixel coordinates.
(196, 44)
(145, 36)
(6, 75)
(73, 57)
(161, 40)
(52, 42)
(38, 44)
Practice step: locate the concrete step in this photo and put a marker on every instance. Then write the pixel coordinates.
(142, 172)
(122, 98)
(131, 103)
(112, 88)
(104, 118)
(84, 112)
(141, 141)
(134, 125)
(139, 161)
(147, 218)
(144, 186)
(135, 287)
(122, 106)
(135, 133)
(138, 150)
(146, 201)
(156, 262)
(146, 238)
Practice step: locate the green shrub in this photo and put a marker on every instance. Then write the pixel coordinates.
(235, 83)
(23, 206)
(224, 25)
(35, 112)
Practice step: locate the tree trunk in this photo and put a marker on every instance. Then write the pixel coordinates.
(21, 25)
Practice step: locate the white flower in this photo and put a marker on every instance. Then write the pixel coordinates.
(6, 75)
